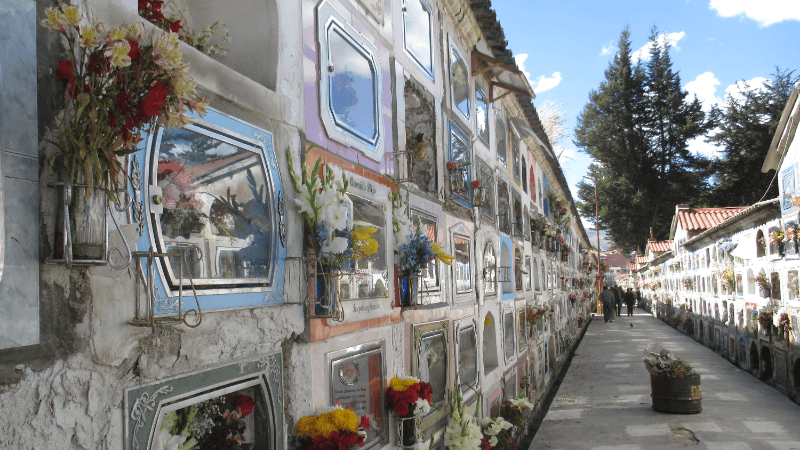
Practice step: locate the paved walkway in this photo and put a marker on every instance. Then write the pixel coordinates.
(604, 401)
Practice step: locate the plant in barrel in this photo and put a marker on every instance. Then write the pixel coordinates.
(415, 249)
(411, 400)
(675, 384)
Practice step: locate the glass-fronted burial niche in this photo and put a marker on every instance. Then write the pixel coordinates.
(427, 224)
(369, 275)
(467, 345)
(220, 206)
(356, 377)
(233, 407)
(350, 100)
(508, 335)
(463, 272)
(429, 362)
(418, 33)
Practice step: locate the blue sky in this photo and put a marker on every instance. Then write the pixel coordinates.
(564, 48)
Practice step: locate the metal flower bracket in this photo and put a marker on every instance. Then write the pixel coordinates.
(146, 316)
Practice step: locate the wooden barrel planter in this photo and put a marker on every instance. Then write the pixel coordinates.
(674, 395)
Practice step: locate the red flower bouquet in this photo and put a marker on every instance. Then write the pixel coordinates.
(338, 429)
(452, 166)
(476, 184)
(409, 396)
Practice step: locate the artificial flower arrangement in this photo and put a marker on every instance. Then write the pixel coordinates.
(413, 246)
(335, 429)
(514, 409)
(781, 322)
(321, 201)
(119, 82)
(409, 397)
(765, 319)
(462, 431)
(151, 10)
(213, 424)
(776, 237)
(790, 232)
(661, 362)
(497, 434)
(763, 282)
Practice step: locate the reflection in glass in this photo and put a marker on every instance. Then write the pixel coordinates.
(522, 337)
(482, 113)
(432, 364)
(490, 269)
(515, 156)
(794, 286)
(527, 273)
(461, 264)
(503, 207)
(417, 22)
(517, 269)
(502, 149)
(467, 357)
(352, 90)
(370, 274)
(217, 199)
(508, 334)
(460, 82)
(487, 208)
(460, 153)
(427, 224)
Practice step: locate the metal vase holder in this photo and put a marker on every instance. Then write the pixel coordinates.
(145, 315)
(93, 218)
(323, 300)
(458, 182)
(410, 286)
(408, 431)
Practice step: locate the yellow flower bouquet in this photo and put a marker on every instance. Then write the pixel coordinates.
(335, 429)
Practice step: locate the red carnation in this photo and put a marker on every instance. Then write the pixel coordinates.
(65, 71)
(364, 422)
(112, 121)
(451, 166)
(476, 184)
(244, 404)
(174, 25)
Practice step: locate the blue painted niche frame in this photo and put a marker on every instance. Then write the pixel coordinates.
(142, 169)
(145, 404)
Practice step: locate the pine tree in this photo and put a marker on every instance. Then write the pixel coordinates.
(636, 127)
(746, 125)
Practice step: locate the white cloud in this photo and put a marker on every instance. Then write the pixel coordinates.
(754, 84)
(543, 84)
(564, 154)
(704, 87)
(608, 49)
(765, 12)
(698, 146)
(670, 39)
(540, 84)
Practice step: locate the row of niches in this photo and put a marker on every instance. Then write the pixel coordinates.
(761, 282)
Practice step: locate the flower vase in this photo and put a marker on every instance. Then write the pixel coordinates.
(83, 229)
(781, 332)
(327, 291)
(781, 247)
(790, 248)
(409, 289)
(407, 431)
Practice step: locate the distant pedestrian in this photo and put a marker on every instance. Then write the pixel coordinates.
(608, 303)
(617, 292)
(630, 299)
(638, 297)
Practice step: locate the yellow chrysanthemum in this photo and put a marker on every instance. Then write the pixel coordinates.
(306, 425)
(343, 419)
(400, 384)
(363, 244)
(71, 16)
(118, 34)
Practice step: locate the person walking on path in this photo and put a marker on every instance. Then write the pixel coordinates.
(630, 299)
(608, 303)
(638, 296)
(616, 291)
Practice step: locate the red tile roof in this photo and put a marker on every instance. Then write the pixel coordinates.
(641, 259)
(703, 218)
(660, 246)
(631, 266)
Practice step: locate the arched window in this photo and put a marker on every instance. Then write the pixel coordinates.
(761, 244)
